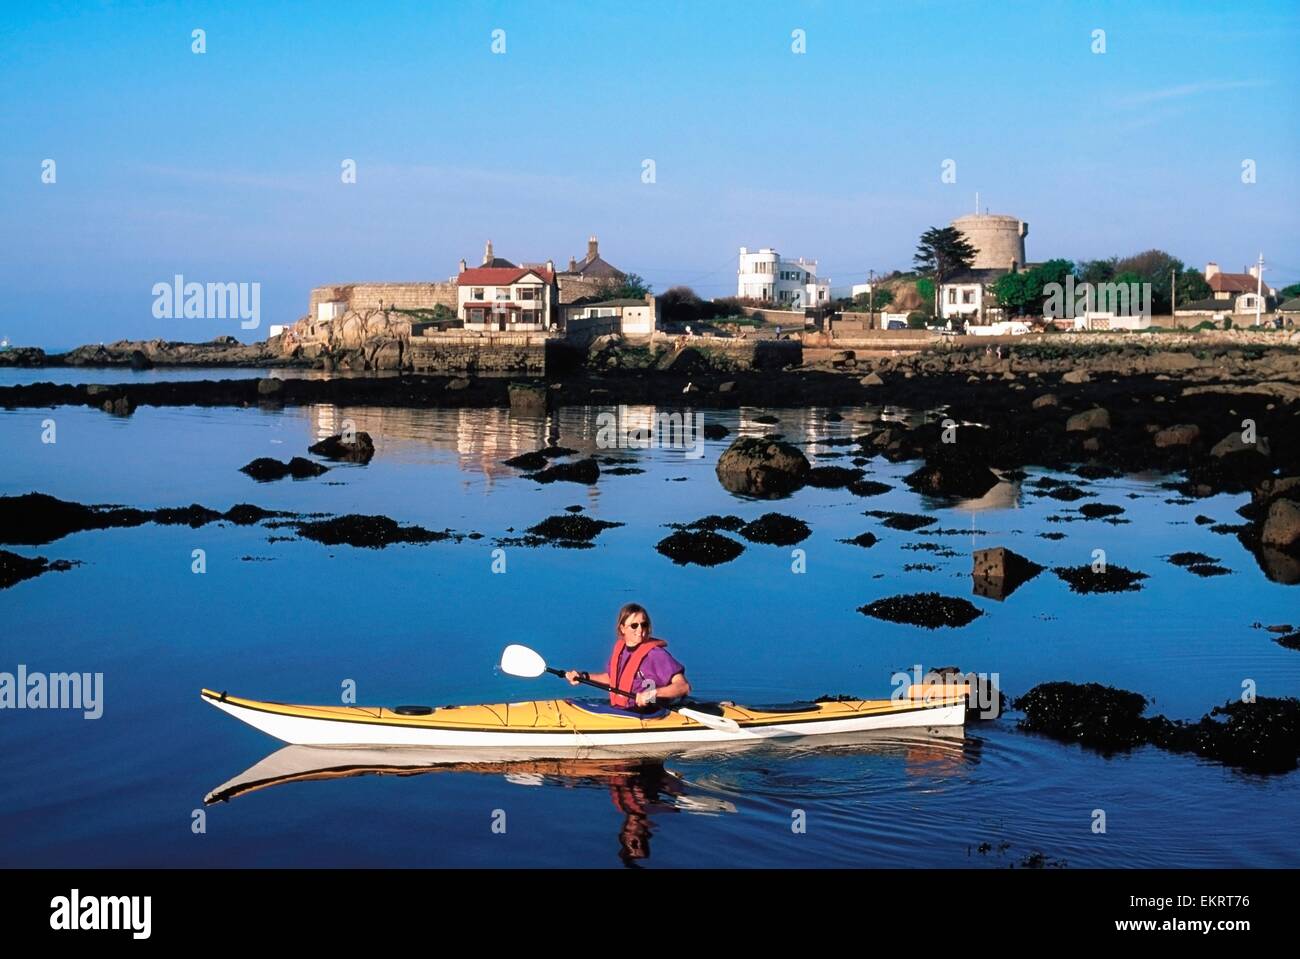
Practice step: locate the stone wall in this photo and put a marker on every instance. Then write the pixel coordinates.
(575, 287)
(369, 296)
(479, 353)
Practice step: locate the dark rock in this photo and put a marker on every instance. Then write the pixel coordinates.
(928, 610)
(528, 399)
(865, 540)
(527, 461)
(713, 522)
(372, 532)
(1100, 510)
(571, 527)
(715, 431)
(1099, 716)
(776, 530)
(762, 468)
(265, 469)
(581, 471)
(1111, 579)
(832, 477)
(14, 568)
(953, 476)
(361, 448)
(904, 521)
(702, 548)
(866, 487)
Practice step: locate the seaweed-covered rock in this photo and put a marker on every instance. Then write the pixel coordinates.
(866, 487)
(928, 610)
(833, 477)
(351, 448)
(763, 468)
(371, 532)
(904, 521)
(571, 527)
(776, 530)
(713, 522)
(715, 431)
(1109, 579)
(865, 540)
(701, 547)
(1099, 716)
(1261, 736)
(1100, 510)
(580, 471)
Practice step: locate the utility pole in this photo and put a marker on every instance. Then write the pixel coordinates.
(1173, 294)
(1259, 287)
(871, 299)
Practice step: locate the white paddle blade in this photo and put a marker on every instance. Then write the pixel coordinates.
(715, 722)
(521, 661)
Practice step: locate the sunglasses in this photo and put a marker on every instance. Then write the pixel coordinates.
(637, 625)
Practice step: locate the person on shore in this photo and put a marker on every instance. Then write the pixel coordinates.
(638, 663)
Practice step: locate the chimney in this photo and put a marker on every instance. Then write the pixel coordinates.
(573, 265)
(462, 266)
(487, 253)
(1211, 269)
(593, 249)
(550, 266)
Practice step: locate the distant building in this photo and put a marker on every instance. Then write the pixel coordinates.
(999, 243)
(794, 284)
(587, 277)
(627, 316)
(506, 298)
(1227, 286)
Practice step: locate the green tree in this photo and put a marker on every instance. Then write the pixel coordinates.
(1151, 266)
(1191, 287)
(1287, 292)
(631, 287)
(941, 253)
(1097, 271)
(1024, 292)
(877, 299)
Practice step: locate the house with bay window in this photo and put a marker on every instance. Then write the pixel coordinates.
(507, 298)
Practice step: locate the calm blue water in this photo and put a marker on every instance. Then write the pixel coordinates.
(292, 621)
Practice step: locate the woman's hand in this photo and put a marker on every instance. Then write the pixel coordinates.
(572, 677)
(647, 696)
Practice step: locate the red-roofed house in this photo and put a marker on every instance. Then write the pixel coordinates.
(1228, 286)
(507, 298)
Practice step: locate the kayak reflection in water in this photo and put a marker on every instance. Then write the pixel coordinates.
(639, 664)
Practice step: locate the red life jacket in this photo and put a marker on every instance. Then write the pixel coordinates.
(625, 679)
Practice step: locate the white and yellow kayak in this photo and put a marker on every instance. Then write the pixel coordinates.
(565, 727)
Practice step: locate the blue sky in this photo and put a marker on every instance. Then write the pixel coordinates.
(225, 166)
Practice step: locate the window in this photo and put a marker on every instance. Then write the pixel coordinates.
(503, 292)
(526, 293)
(952, 295)
(968, 296)
(476, 293)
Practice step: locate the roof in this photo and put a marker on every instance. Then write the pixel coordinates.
(498, 276)
(1234, 283)
(1290, 306)
(624, 302)
(1207, 305)
(595, 266)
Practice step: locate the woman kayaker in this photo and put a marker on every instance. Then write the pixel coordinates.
(638, 663)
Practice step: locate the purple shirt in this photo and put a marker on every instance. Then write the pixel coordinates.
(657, 669)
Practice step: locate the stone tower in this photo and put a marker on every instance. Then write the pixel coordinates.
(999, 240)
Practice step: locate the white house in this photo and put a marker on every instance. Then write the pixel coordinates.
(506, 298)
(764, 275)
(968, 295)
(629, 317)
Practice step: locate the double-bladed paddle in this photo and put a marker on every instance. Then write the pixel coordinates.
(527, 663)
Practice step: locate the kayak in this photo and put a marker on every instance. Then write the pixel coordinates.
(564, 727)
